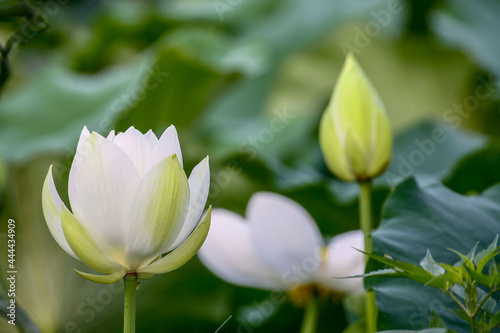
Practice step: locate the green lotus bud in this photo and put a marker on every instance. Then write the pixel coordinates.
(355, 134)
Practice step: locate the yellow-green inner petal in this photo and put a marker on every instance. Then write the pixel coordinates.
(159, 210)
(85, 247)
(184, 252)
(107, 279)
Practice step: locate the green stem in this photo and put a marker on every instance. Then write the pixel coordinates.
(449, 293)
(473, 325)
(365, 214)
(365, 220)
(371, 311)
(310, 316)
(129, 309)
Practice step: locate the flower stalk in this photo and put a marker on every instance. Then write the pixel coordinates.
(365, 216)
(129, 306)
(310, 316)
(356, 140)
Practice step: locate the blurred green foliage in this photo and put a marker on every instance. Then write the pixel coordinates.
(246, 82)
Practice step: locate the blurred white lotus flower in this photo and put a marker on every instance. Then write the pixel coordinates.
(131, 202)
(278, 246)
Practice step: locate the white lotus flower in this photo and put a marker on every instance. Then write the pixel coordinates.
(131, 202)
(278, 246)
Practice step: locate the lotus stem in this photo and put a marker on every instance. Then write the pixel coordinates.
(129, 308)
(365, 219)
(310, 316)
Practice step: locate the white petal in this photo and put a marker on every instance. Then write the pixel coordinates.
(152, 139)
(136, 146)
(83, 136)
(159, 209)
(111, 136)
(229, 253)
(285, 235)
(114, 136)
(199, 184)
(102, 185)
(52, 206)
(166, 146)
(343, 260)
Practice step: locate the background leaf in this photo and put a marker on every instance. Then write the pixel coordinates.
(417, 219)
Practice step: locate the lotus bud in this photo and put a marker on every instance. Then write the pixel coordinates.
(355, 134)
